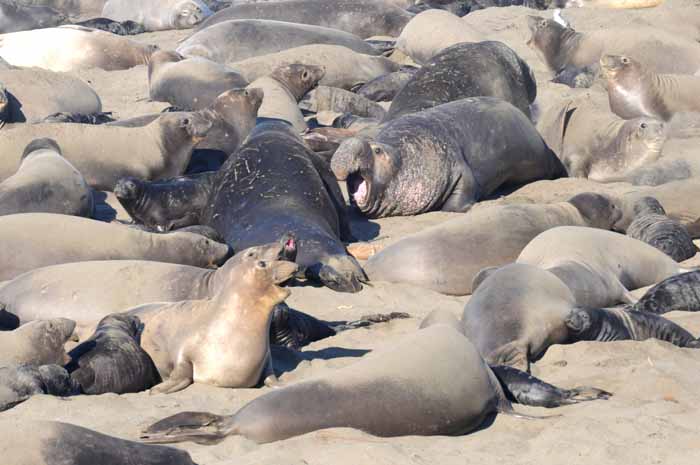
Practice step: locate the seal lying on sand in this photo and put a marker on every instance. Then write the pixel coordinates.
(120, 28)
(158, 15)
(36, 343)
(680, 292)
(15, 17)
(444, 158)
(20, 382)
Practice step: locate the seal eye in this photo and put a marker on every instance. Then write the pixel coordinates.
(261, 265)
(543, 23)
(377, 151)
(643, 125)
(305, 75)
(625, 60)
(185, 121)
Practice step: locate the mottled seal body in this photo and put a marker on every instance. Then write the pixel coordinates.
(488, 69)
(237, 40)
(39, 342)
(404, 170)
(112, 360)
(56, 49)
(364, 18)
(680, 292)
(55, 443)
(447, 257)
(19, 382)
(339, 101)
(635, 91)
(28, 232)
(103, 154)
(158, 15)
(384, 88)
(15, 17)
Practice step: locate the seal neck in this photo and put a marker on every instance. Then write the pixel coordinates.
(570, 40)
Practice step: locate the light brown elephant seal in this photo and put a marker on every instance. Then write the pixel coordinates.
(447, 257)
(104, 154)
(69, 48)
(40, 342)
(48, 239)
(158, 15)
(634, 90)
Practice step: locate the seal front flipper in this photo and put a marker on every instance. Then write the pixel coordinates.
(514, 354)
(528, 390)
(199, 427)
(341, 273)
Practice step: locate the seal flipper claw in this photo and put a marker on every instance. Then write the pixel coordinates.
(341, 273)
(199, 427)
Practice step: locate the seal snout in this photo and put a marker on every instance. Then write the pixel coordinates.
(197, 126)
(281, 270)
(127, 188)
(578, 320)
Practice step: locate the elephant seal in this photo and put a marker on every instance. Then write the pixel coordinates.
(53, 48)
(636, 91)
(384, 88)
(405, 171)
(123, 28)
(103, 154)
(39, 342)
(679, 292)
(364, 18)
(112, 360)
(158, 15)
(593, 143)
(230, 346)
(190, 84)
(447, 257)
(600, 267)
(283, 89)
(29, 232)
(239, 39)
(345, 68)
(56, 443)
(20, 382)
(33, 94)
(45, 183)
(651, 225)
(488, 69)
(339, 101)
(561, 48)
(518, 311)
(15, 17)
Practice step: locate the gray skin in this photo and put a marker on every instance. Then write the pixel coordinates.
(445, 158)
(55, 443)
(16, 17)
(40, 342)
(20, 382)
(112, 360)
(103, 154)
(237, 40)
(30, 232)
(447, 257)
(345, 68)
(634, 90)
(651, 225)
(90, 8)
(33, 94)
(364, 18)
(189, 84)
(45, 183)
(593, 143)
(158, 15)
(123, 28)
(384, 88)
(518, 311)
(678, 292)
(564, 50)
(600, 267)
(332, 99)
(489, 69)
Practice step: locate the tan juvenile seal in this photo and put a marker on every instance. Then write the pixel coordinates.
(103, 154)
(40, 342)
(634, 90)
(69, 48)
(158, 15)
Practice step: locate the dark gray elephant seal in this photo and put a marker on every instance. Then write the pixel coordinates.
(651, 225)
(384, 88)
(45, 183)
(33, 94)
(16, 17)
(634, 90)
(29, 232)
(20, 382)
(39, 342)
(189, 84)
(447, 257)
(680, 292)
(112, 360)
(55, 443)
(364, 18)
(488, 69)
(237, 40)
(123, 28)
(158, 15)
(103, 154)
(404, 170)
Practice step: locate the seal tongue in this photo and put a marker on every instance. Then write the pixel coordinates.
(361, 193)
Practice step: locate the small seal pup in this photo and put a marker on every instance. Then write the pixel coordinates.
(20, 382)
(404, 171)
(680, 292)
(112, 360)
(50, 49)
(56, 443)
(634, 90)
(229, 345)
(45, 183)
(39, 342)
(158, 15)
(123, 28)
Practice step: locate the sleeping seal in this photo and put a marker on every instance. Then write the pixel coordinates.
(20, 382)
(40, 342)
(158, 15)
(680, 292)
(15, 17)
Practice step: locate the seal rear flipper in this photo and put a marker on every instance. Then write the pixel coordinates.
(180, 378)
(525, 389)
(341, 273)
(199, 427)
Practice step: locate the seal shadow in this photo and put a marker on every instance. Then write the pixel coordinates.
(362, 228)
(285, 359)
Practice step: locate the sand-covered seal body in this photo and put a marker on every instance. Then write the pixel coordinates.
(444, 158)
(15, 17)
(20, 382)
(40, 342)
(488, 69)
(158, 15)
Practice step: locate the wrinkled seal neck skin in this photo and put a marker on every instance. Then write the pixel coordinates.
(553, 42)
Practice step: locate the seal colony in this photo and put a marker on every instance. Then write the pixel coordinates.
(236, 224)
